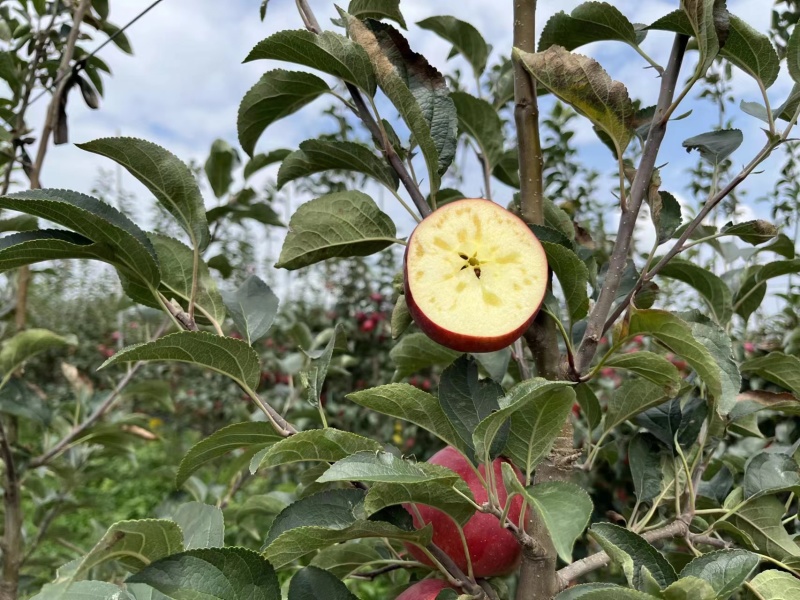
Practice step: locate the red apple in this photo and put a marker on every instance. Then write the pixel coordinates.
(427, 589)
(475, 276)
(493, 549)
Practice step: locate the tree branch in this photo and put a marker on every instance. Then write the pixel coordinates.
(639, 189)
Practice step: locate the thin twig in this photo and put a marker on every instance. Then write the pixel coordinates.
(639, 189)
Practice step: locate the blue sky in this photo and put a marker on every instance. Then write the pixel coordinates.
(182, 87)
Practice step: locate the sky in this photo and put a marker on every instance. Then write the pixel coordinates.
(182, 87)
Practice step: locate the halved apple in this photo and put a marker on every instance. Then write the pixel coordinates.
(475, 276)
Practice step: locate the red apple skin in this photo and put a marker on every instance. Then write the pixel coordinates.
(494, 550)
(426, 589)
(452, 339)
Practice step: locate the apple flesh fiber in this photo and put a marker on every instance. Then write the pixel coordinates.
(475, 276)
(493, 549)
(426, 589)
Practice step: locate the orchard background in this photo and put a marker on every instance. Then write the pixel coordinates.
(652, 408)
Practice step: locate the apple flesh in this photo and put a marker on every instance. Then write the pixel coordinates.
(492, 549)
(426, 589)
(475, 276)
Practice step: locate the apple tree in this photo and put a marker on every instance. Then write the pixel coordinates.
(522, 309)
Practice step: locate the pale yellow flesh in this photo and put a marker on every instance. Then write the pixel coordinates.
(446, 286)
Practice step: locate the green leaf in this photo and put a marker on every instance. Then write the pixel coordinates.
(581, 590)
(327, 52)
(438, 493)
(260, 161)
(168, 179)
(82, 590)
(751, 51)
(558, 219)
(466, 40)
(377, 9)
(212, 574)
(583, 84)
(336, 225)
(613, 592)
(380, 467)
(753, 232)
(203, 525)
(645, 462)
(404, 401)
(589, 22)
(665, 212)
(277, 94)
(778, 368)
(753, 401)
(401, 318)
(715, 146)
(466, 400)
(689, 588)
(313, 375)
(770, 473)
(758, 525)
(634, 554)
(702, 15)
(251, 435)
(30, 247)
(725, 570)
(479, 119)
(675, 420)
(572, 275)
(176, 261)
(711, 287)
(19, 223)
(97, 221)
(315, 156)
(344, 559)
(417, 90)
(219, 167)
(231, 357)
(236, 213)
(312, 583)
(507, 169)
(25, 345)
(135, 544)
(328, 518)
(718, 343)
(417, 351)
(793, 55)
(564, 507)
(590, 405)
(253, 308)
(678, 337)
(634, 396)
(537, 412)
(325, 445)
(648, 365)
(776, 585)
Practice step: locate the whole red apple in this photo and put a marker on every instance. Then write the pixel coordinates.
(493, 549)
(426, 589)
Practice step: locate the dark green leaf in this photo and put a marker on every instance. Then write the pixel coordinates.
(650, 366)
(203, 525)
(645, 462)
(381, 467)
(793, 55)
(219, 167)
(572, 275)
(438, 493)
(417, 351)
(466, 401)
(725, 570)
(312, 583)
(466, 40)
(590, 405)
(479, 119)
(170, 181)
(341, 224)
(589, 22)
(665, 214)
(634, 554)
(711, 287)
(417, 90)
(702, 15)
(753, 232)
(715, 146)
(96, 220)
(253, 308)
(239, 435)
(770, 473)
(579, 591)
(277, 94)
(327, 52)
(259, 161)
(634, 396)
(19, 223)
(212, 574)
(778, 368)
(325, 445)
(316, 156)
(751, 51)
(314, 373)
(377, 9)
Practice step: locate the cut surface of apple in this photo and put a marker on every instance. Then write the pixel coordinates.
(475, 276)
